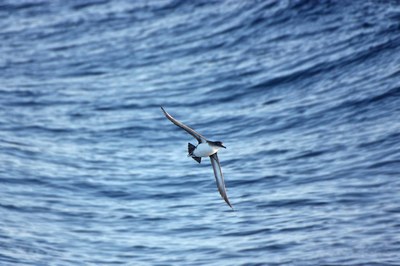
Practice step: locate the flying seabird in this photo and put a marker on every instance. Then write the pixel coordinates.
(204, 148)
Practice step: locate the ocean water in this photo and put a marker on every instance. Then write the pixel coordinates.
(304, 94)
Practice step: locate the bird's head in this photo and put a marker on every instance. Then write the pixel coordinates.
(218, 144)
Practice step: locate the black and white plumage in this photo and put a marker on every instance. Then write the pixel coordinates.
(204, 148)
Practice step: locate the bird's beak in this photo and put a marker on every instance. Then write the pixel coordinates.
(223, 146)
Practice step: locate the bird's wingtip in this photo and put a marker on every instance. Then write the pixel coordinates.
(230, 205)
(162, 108)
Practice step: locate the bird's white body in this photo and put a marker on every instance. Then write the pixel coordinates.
(205, 149)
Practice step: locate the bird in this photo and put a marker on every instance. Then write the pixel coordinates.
(204, 148)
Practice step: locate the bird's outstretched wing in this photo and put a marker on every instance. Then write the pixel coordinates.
(200, 138)
(219, 177)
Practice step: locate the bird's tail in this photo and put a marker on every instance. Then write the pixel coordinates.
(191, 148)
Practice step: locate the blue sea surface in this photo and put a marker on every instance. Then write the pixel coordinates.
(304, 94)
